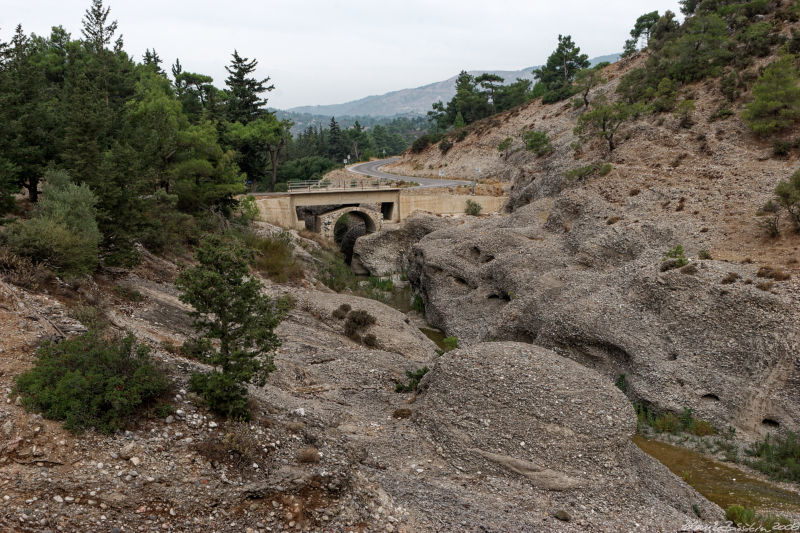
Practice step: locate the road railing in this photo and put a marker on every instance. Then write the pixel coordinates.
(337, 185)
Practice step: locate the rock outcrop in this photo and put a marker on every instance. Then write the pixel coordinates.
(571, 275)
(560, 433)
(386, 252)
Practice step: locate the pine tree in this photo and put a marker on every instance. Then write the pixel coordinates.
(561, 68)
(153, 61)
(244, 91)
(337, 149)
(96, 32)
(235, 324)
(776, 99)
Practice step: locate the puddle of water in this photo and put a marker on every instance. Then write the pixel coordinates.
(436, 336)
(718, 482)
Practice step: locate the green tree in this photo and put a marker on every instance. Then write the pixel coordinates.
(244, 91)
(561, 67)
(489, 83)
(588, 79)
(604, 119)
(235, 324)
(28, 112)
(337, 145)
(644, 26)
(787, 195)
(266, 135)
(776, 99)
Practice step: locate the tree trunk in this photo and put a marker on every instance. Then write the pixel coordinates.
(33, 189)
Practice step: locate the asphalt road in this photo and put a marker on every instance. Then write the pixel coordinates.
(372, 168)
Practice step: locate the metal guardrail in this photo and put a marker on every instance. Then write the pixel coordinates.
(337, 185)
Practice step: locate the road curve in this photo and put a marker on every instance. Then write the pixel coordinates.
(372, 169)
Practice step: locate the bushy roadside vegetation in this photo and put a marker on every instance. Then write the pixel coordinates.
(91, 382)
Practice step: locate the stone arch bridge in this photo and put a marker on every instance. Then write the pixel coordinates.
(376, 206)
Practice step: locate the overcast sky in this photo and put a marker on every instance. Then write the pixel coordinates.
(332, 51)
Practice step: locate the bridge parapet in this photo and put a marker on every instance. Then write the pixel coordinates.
(338, 184)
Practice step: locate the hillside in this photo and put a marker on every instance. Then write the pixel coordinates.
(717, 171)
(414, 101)
(647, 262)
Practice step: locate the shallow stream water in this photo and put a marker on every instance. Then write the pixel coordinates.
(723, 484)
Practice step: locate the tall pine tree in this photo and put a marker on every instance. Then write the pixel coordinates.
(244, 91)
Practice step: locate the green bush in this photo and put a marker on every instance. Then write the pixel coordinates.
(222, 393)
(450, 343)
(537, 142)
(776, 99)
(413, 380)
(461, 135)
(599, 168)
(787, 195)
(381, 283)
(747, 518)
(504, 145)
(778, 457)
(445, 145)
(676, 258)
(63, 231)
(472, 208)
(274, 256)
(421, 143)
(90, 382)
(418, 304)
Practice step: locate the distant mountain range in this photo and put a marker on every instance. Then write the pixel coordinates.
(416, 101)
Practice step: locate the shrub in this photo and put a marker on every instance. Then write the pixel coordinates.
(370, 340)
(729, 278)
(222, 393)
(787, 195)
(704, 254)
(309, 454)
(622, 383)
(274, 256)
(601, 169)
(678, 257)
(748, 519)
(381, 283)
(341, 311)
(667, 423)
(769, 218)
(450, 343)
(445, 145)
(421, 143)
(472, 208)
(413, 380)
(461, 135)
(684, 113)
(21, 270)
(418, 304)
(722, 113)
(63, 231)
(505, 144)
(776, 99)
(356, 321)
(778, 457)
(90, 382)
(781, 148)
(537, 142)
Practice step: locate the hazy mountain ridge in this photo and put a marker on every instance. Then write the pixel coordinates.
(415, 101)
